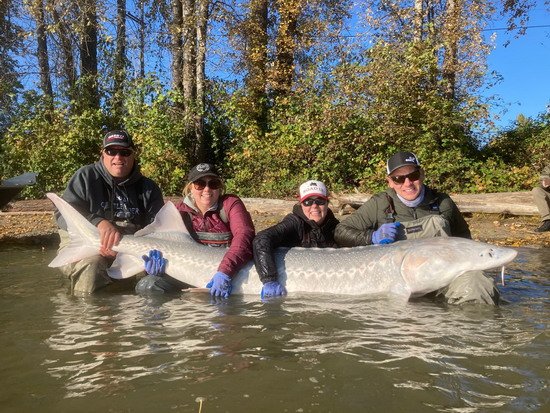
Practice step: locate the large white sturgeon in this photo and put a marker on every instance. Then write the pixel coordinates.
(405, 268)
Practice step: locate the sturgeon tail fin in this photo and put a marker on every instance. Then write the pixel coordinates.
(84, 237)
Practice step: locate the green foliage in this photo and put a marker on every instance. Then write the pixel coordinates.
(342, 128)
(52, 144)
(155, 121)
(526, 144)
(332, 129)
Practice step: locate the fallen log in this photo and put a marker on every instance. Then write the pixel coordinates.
(506, 203)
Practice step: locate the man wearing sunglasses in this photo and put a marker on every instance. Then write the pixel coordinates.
(115, 197)
(311, 224)
(408, 209)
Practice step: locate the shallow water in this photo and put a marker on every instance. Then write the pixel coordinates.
(126, 353)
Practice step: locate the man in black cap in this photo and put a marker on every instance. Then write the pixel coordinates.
(115, 197)
(408, 209)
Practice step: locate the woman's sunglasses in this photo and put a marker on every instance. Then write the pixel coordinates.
(317, 201)
(200, 184)
(122, 152)
(400, 179)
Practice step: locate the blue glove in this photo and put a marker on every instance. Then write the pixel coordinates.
(154, 263)
(272, 289)
(386, 233)
(220, 285)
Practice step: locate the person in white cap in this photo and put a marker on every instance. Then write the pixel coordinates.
(408, 209)
(311, 224)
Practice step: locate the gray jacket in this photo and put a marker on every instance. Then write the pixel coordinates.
(130, 204)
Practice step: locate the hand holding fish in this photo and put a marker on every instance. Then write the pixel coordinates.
(109, 236)
(272, 289)
(386, 234)
(220, 285)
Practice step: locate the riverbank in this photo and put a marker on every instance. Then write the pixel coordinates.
(31, 222)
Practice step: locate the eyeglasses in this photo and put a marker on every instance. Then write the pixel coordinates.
(200, 184)
(122, 152)
(400, 179)
(317, 201)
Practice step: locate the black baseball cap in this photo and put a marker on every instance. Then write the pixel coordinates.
(402, 159)
(117, 138)
(201, 170)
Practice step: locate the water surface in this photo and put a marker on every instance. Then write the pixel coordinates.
(307, 353)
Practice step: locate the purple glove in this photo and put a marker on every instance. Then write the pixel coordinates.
(272, 289)
(220, 285)
(386, 233)
(154, 263)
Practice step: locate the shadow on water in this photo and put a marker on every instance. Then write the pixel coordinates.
(307, 353)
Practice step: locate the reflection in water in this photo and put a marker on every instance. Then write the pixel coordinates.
(304, 353)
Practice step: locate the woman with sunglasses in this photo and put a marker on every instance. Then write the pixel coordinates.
(116, 198)
(213, 218)
(408, 209)
(311, 224)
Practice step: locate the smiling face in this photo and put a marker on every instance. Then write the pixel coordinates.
(203, 194)
(313, 211)
(411, 187)
(118, 161)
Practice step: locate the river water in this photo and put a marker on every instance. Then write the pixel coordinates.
(127, 353)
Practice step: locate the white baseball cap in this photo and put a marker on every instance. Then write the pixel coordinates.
(313, 189)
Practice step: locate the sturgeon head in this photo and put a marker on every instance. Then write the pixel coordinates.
(429, 264)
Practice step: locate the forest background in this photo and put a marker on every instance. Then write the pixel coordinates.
(273, 91)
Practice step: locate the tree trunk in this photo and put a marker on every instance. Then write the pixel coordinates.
(202, 22)
(88, 55)
(189, 86)
(188, 30)
(418, 20)
(256, 61)
(42, 51)
(120, 61)
(142, 39)
(68, 67)
(452, 34)
(283, 73)
(176, 44)
(9, 77)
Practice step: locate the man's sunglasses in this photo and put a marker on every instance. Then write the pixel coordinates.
(400, 179)
(317, 201)
(122, 152)
(200, 184)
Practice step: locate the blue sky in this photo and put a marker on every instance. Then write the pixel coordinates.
(525, 68)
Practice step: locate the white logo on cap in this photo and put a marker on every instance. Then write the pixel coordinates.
(312, 188)
(410, 159)
(113, 137)
(203, 167)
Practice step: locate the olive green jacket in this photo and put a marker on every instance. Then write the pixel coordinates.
(357, 229)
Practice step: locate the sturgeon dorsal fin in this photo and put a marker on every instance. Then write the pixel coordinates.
(167, 220)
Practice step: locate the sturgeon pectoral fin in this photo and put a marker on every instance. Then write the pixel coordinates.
(72, 254)
(125, 266)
